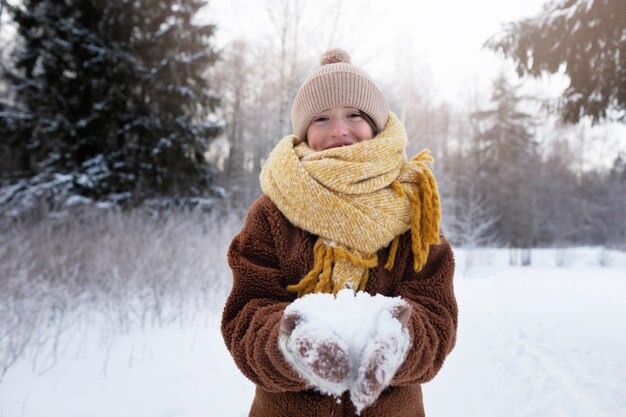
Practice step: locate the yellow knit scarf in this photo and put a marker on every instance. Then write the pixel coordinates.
(357, 199)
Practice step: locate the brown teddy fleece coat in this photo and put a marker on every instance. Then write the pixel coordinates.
(270, 253)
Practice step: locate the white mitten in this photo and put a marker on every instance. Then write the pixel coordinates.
(382, 355)
(317, 353)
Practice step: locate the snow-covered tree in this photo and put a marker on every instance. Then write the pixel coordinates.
(504, 157)
(560, 205)
(474, 222)
(604, 206)
(114, 94)
(585, 38)
(617, 202)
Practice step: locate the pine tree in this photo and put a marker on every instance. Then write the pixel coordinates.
(114, 94)
(504, 156)
(614, 216)
(585, 38)
(561, 214)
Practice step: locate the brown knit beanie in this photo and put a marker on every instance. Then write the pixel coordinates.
(337, 83)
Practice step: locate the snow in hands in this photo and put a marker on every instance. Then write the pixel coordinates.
(352, 342)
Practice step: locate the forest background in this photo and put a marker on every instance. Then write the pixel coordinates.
(132, 134)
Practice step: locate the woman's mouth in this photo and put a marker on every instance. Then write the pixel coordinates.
(338, 145)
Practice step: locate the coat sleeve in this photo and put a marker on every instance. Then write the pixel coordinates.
(253, 310)
(434, 318)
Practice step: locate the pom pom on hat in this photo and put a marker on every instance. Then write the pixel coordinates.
(337, 83)
(334, 56)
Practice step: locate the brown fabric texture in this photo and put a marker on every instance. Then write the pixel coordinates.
(268, 255)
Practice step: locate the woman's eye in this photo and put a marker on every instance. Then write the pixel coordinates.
(354, 115)
(320, 119)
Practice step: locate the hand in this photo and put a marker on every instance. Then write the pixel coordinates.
(289, 322)
(401, 312)
(327, 358)
(382, 356)
(316, 353)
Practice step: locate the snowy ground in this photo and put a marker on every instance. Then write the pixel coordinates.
(543, 340)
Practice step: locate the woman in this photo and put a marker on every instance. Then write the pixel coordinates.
(342, 208)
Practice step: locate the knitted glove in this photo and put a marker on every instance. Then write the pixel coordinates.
(316, 353)
(382, 356)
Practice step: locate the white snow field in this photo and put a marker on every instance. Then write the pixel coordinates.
(541, 340)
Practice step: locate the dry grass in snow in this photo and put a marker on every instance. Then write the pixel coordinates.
(131, 268)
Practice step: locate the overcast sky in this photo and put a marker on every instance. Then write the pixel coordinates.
(444, 36)
(437, 39)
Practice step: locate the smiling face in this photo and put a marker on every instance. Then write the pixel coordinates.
(338, 126)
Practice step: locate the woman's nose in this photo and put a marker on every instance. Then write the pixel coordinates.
(339, 128)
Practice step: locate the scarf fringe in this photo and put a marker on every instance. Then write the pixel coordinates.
(426, 215)
(318, 280)
(426, 206)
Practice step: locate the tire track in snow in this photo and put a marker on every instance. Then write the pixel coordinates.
(568, 382)
(548, 369)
